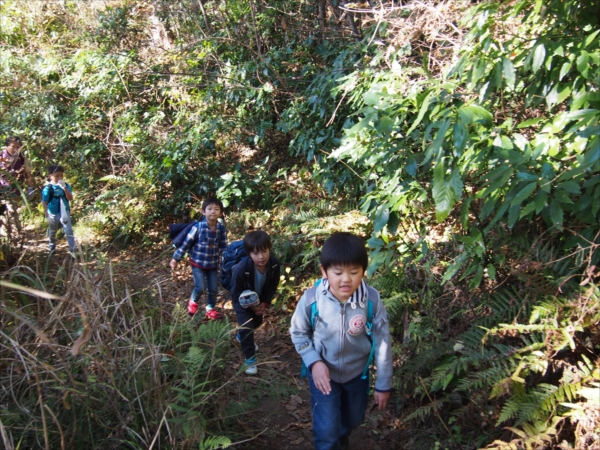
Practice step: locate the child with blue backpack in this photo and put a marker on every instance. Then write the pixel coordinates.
(56, 196)
(205, 242)
(338, 327)
(254, 284)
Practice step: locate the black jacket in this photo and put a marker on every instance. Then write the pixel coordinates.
(243, 274)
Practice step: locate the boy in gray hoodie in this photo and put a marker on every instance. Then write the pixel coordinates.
(336, 348)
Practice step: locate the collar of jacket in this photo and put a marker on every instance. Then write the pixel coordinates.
(359, 297)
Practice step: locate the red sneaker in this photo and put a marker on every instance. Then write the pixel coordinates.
(192, 307)
(213, 314)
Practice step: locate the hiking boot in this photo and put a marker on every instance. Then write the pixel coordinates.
(192, 307)
(251, 368)
(237, 338)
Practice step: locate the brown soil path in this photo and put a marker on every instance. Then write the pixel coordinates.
(281, 418)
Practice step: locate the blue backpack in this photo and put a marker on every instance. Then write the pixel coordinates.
(232, 255)
(178, 232)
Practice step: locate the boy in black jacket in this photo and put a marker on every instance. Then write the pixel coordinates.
(259, 272)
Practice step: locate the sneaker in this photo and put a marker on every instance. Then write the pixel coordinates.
(192, 307)
(251, 368)
(213, 314)
(237, 338)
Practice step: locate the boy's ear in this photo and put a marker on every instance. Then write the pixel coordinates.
(323, 271)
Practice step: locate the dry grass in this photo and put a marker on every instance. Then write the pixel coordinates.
(96, 364)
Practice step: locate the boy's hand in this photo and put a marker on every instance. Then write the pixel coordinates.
(381, 399)
(173, 264)
(62, 184)
(320, 374)
(259, 309)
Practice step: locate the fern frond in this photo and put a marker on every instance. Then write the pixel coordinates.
(422, 412)
(214, 443)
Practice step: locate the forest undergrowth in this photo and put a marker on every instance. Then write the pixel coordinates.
(460, 140)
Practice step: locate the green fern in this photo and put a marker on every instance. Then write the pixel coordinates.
(423, 412)
(214, 443)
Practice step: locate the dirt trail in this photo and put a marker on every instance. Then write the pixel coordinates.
(281, 419)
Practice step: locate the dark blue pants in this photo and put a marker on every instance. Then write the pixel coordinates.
(337, 414)
(250, 322)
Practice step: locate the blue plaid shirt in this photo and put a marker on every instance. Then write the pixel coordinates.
(206, 245)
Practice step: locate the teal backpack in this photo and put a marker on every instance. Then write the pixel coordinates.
(314, 314)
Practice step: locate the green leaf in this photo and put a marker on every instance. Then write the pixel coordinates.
(590, 38)
(530, 122)
(411, 166)
(556, 214)
(385, 126)
(529, 208)
(422, 111)
(524, 176)
(454, 267)
(375, 243)
(476, 281)
(564, 70)
(464, 211)
(371, 98)
(562, 197)
(539, 56)
(508, 70)
(446, 192)
(475, 113)
(564, 92)
(583, 63)
(524, 194)
(552, 97)
(382, 215)
(393, 222)
(513, 215)
(491, 270)
(571, 187)
(540, 200)
(436, 145)
(460, 137)
(582, 114)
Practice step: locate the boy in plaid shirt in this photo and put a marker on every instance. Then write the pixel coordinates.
(205, 242)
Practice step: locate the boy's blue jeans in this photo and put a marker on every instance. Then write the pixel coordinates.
(205, 281)
(337, 414)
(54, 224)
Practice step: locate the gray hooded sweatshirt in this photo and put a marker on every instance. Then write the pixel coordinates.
(339, 338)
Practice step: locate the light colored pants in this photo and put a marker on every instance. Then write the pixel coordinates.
(54, 224)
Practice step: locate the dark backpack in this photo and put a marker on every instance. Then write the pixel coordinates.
(178, 232)
(232, 255)
(50, 192)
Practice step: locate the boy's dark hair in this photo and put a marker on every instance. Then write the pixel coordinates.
(12, 139)
(257, 240)
(55, 168)
(212, 201)
(344, 249)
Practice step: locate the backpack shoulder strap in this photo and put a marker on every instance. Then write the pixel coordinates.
(369, 332)
(247, 280)
(50, 192)
(311, 304)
